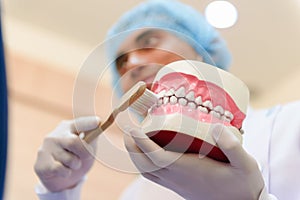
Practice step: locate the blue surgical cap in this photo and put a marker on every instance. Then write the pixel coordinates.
(176, 17)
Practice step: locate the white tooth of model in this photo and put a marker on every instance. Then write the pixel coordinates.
(161, 93)
(159, 102)
(182, 101)
(215, 114)
(198, 100)
(173, 100)
(208, 104)
(180, 92)
(202, 109)
(228, 114)
(170, 92)
(192, 105)
(190, 96)
(219, 109)
(166, 100)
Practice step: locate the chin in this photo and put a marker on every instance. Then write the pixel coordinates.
(193, 96)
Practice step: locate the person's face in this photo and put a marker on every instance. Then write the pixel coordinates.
(146, 51)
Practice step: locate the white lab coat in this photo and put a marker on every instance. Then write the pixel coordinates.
(272, 136)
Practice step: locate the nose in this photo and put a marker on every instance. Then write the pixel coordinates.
(135, 63)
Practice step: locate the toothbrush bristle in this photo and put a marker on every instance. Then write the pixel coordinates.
(145, 102)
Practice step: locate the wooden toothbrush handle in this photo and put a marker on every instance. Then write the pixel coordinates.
(127, 100)
(89, 136)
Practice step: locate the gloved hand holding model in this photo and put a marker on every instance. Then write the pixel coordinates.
(197, 177)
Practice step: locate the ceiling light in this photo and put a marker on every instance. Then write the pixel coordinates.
(221, 14)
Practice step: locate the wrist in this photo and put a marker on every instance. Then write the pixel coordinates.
(64, 194)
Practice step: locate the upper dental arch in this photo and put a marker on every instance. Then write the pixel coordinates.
(179, 96)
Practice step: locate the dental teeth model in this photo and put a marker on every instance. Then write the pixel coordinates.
(192, 96)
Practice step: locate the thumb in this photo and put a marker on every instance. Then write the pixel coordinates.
(82, 124)
(230, 146)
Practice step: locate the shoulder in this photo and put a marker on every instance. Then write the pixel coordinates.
(290, 108)
(278, 125)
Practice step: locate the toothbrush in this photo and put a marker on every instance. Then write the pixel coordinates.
(139, 98)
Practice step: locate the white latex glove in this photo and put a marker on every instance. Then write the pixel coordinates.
(197, 177)
(63, 159)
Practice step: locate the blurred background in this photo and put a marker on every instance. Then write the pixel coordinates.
(48, 41)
